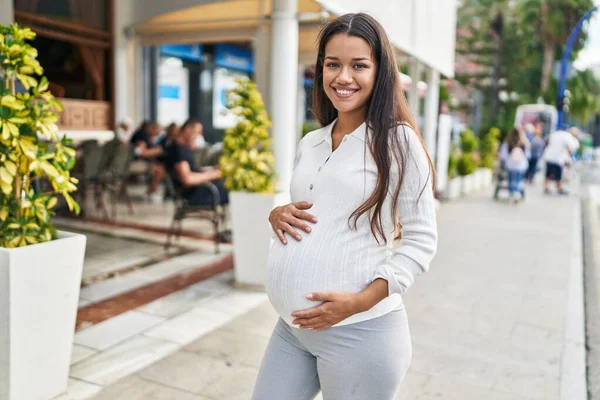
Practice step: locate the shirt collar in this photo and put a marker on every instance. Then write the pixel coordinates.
(325, 133)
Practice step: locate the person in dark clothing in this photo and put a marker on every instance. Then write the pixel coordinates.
(144, 141)
(184, 171)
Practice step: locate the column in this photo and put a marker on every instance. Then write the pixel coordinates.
(413, 95)
(124, 60)
(283, 85)
(7, 15)
(431, 110)
(262, 60)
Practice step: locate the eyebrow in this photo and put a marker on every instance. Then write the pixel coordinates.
(354, 59)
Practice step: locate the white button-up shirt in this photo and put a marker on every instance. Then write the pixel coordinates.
(337, 257)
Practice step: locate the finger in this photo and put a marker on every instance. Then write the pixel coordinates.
(305, 216)
(281, 236)
(323, 296)
(310, 313)
(309, 321)
(302, 205)
(287, 228)
(297, 223)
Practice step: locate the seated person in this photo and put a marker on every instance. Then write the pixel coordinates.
(144, 141)
(157, 169)
(186, 174)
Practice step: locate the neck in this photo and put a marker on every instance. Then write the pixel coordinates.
(349, 122)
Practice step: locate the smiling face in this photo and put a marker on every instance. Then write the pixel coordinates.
(349, 73)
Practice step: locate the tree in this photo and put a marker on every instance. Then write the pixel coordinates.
(552, 22)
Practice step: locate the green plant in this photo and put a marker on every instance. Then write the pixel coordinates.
(247, 162)
(466, 164)
(468, 142)
(30, 149)
(452, 164)
(489, 147)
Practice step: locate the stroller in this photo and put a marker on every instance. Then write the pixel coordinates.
(502, 182)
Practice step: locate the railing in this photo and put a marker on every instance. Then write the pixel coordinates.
(85, 115)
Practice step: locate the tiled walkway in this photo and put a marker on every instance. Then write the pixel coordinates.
(487, 321)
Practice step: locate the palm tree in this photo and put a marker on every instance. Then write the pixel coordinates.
(553, 21)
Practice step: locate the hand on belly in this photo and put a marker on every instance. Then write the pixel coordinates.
(335, 307)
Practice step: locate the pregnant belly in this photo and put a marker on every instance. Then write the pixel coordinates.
(297, 269)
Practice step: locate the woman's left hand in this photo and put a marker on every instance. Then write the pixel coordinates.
(337, 306)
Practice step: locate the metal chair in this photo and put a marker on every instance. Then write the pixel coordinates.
(116, 182)
(214, 213)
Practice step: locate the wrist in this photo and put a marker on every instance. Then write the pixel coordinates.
(373, 294)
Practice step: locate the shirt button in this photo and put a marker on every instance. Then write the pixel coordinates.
(311, 186)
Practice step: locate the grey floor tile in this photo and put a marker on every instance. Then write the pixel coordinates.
(112, 331)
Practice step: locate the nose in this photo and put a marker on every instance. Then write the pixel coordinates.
(344, 77)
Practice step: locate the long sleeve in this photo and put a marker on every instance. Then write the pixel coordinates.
(416, 209)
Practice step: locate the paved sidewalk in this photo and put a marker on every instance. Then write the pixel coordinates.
(487, 321)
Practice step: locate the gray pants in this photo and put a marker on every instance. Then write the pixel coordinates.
(362, 361)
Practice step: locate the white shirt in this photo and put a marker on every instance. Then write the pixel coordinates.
(561, 145)
(334, 257)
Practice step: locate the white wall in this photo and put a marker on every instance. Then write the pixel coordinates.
(425, 29)
(6, 12)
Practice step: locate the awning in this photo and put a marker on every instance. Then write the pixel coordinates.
(421, 28)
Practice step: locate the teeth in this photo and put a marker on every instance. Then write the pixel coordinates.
(346, 92)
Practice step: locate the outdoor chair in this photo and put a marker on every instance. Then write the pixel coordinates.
(215, 213)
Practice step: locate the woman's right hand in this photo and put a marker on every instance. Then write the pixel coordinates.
(284, 219)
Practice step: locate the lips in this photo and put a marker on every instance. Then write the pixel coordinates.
(344, 92)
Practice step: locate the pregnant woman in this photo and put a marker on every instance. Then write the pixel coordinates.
(360, 184)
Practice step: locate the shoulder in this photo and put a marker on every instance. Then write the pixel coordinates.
(407, 137)
(313, 138)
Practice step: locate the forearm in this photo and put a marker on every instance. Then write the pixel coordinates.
(199, 178)
(373, 294)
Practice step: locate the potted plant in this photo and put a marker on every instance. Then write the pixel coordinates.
(247, 164)
(466, 163)
(454, 186)
(488, 150)
(40, 268)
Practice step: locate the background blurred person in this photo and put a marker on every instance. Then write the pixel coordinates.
(559, 152)
(516, 162)
(186, 174)
(537, 149)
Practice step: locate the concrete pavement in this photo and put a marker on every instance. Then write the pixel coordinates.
(488, 321)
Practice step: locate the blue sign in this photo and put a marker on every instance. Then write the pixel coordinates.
(233, 57)
(189, 52)
(169, 92)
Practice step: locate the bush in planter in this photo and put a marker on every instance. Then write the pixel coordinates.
(29, 145)
(468, 142)
(247, 162)
(466, 164)
(489, 148)
(467, 160)
(452, 164)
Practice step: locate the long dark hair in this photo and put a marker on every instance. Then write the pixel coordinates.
(386, 111)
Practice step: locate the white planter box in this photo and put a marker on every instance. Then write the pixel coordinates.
(487, 177)
(477, 180)
(252, 234)
(467, 184)
(453, 188)
(39, 295)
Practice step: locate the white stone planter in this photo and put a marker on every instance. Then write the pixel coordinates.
(467, 184)
(453, 188)
(487, 177)
(252, 234)
(477, 180)
(39, 295)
